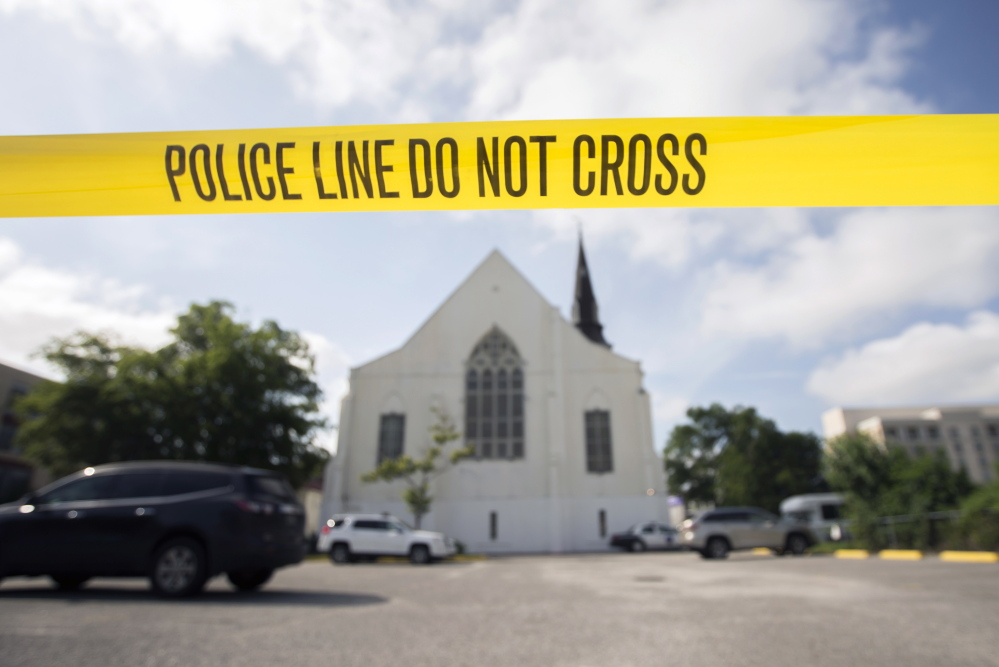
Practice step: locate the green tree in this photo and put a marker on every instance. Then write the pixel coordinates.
(979, 523)
(418, 474)
(881, 481)
(737, 457)
(220, 391)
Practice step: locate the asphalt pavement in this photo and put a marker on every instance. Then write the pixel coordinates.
(581, 610)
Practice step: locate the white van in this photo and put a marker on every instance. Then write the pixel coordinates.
(821, 511)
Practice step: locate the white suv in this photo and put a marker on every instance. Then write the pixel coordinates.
(350, 537)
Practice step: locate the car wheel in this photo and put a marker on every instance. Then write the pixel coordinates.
(419, 555)
(797, 544)
(68, 582)
(717, 547)
(637, 546)
(179, 568)
(340, 554)
(249, 580)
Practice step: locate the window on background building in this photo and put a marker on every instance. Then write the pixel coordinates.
(494, 398)
(992, 430)
(913, 432)
(891, 432)
(599, 453)
(932, 432)
(974, 431)
(391, 432)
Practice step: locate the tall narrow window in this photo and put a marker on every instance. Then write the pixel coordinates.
(390, 436)
(602, 521)
(599, 455)
(493, 525)
(494, 398)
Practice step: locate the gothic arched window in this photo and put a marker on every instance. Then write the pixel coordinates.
(494, 398)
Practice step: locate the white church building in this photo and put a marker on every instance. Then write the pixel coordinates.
(561, 425)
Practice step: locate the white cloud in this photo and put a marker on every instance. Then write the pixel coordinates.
(926, 363)
(38, 303)
(875, 264)
(592, 58)
(535, 58)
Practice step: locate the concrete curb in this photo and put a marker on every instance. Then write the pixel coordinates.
(852, 554)
(912, 554)
(969, 556)
(900, 554)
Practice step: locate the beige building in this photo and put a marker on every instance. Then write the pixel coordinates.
(968, 434)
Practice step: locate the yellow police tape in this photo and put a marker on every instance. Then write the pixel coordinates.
(658, 162)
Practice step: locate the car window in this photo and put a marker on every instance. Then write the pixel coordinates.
(271, 488)
(397, 526)
(667, 529)
(98, 487)
(830, 512)
(368, 524)
(760, 517)
(139, 485)
(649, 529)
(178, 482)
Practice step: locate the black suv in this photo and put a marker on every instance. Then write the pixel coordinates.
(177, 523)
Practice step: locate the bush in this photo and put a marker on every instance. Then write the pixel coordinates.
(979, 524)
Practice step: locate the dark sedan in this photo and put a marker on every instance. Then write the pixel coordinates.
(176, 523)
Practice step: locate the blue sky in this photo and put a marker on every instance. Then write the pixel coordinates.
(788, 310)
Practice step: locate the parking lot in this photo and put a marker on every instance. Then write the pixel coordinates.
(602, 609)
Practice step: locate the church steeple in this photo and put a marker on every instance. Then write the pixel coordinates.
(584, 304)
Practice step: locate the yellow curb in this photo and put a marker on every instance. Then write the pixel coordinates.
(969, 556)
(900, 554)
(853, 554)
(761, 551)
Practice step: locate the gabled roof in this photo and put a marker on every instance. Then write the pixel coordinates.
(495, 262)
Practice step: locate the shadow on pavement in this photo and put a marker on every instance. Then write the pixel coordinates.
(99, 592)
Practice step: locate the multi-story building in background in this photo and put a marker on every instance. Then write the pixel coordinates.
(968, 434)
(16, 475)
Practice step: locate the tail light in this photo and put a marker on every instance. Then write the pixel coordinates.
(325, 530)
(251, 507)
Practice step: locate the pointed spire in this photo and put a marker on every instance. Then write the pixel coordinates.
(584, 305)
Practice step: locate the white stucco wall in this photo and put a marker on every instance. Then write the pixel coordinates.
(545, 501)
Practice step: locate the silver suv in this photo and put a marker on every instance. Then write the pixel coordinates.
(351, 537)
(716, 532)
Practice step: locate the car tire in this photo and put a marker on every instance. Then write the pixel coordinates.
(637, 547)
(717, 548)
(69, 582)
(249, 580)
(179, 568)
(419, 555)
(797, 544)
(340, 554)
